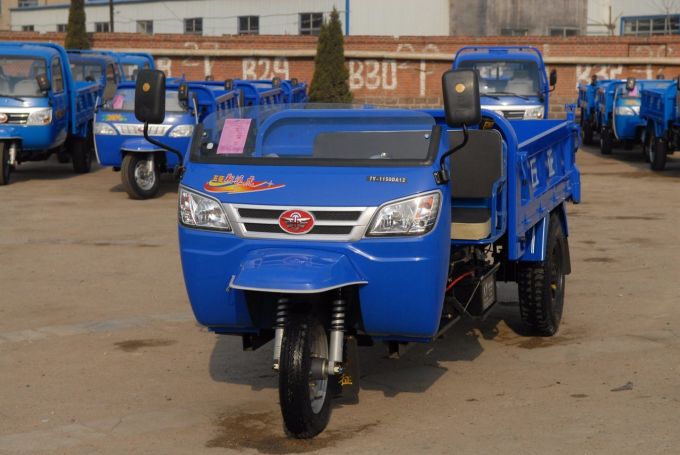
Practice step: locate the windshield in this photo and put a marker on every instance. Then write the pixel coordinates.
(317, 134)
(124, 100)
(506, 78)
(86, 72)
(17, 76)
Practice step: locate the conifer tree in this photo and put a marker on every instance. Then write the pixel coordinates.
(330, 83)
(76, 34)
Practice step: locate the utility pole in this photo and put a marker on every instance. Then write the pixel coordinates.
(111, 16)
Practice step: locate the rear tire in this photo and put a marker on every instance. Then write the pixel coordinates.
(5, 168)
(605, 141)
(63, 156)
(587, 133)
(138, 182)
(304, 416)
(657, 153)
(81, 155)
(541, 285)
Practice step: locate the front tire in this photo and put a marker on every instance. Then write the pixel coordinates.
(305, 402)
(5, 168)
(139, 182)
(541, 285)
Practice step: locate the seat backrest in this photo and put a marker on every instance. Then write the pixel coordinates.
(475, 168)
(27, 87)
(4, 86)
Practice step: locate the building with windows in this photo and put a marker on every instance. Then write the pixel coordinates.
(633, 17)
(6, 7)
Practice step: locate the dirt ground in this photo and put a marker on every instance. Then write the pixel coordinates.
(99, 351)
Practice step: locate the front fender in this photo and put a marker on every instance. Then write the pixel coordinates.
(295, 271)
(139, 145)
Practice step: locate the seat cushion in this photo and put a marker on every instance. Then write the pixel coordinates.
(470, 223)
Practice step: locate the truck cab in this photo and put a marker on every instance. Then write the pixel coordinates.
(512, 80)
(43, 108)
(93, 66)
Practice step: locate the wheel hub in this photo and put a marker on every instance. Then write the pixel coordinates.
(144, 177)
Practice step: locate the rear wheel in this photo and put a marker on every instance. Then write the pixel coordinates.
(81, 155)
(605, 141)
(541, 285)
(305, 401)
(140, 176)
(657, 153)
(587, 133)
(5, 169)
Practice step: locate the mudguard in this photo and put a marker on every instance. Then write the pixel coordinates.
(139, 145)
(295, 271)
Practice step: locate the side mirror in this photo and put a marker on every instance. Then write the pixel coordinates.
(630, 84)
(150, 96)
(276, 82)
(228, 84)
(43, 83)
(109, 91)
(183, 93)
(461, 97)
(553, 77)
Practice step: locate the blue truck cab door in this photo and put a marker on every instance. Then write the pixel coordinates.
(59, 101)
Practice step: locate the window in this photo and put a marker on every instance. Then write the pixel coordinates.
(514, 32)
(310, 23)
(27, 28)
(101, 27)
(57, 76)
(27, 3)
(654, 25)
(249, 25)
(563, 31)
(61, 28)
(145, 27)
(193, 26)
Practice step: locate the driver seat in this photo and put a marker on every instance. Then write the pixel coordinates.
(477, 175)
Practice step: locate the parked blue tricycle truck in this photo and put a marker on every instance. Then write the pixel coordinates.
(513, 79)
(659, 113)
(326, 228)
(619, 112)
(587, 103)
(119, 136)
(43, 108)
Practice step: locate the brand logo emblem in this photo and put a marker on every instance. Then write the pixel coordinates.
(296, 221)
(3, 118)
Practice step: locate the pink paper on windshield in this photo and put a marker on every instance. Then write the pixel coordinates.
(234, 135)
(118, 101)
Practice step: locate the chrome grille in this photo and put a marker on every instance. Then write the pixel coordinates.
(136, 129)
(16, 118)
(513, 115)
(330, 223)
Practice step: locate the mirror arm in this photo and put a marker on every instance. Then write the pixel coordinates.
(180, 167)
(442, 175)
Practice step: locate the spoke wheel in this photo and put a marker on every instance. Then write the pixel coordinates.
(139, 181)
(305, 401)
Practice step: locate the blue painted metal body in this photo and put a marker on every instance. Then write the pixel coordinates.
(619, 110)
(72, 108)
(128, 137)
(659, 109)
(93, 66)
(588, 104)
(400, 280)
(259, 93)
(513, 107)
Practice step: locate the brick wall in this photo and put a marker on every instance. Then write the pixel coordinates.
(399, 70)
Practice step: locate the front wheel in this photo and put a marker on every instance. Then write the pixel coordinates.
(305, 401)
(140, 176)
(5, 169)
(541, 285)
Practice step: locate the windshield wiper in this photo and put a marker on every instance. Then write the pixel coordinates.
(12, 96)
(491, 94)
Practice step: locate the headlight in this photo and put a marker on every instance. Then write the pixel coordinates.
(413, 216)
(182, 131)
(628, 110)
(199, 211)
(104, 129)
(40, 117)
(534, 113)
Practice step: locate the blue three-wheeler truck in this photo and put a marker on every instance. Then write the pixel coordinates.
(43, 108)
(119, 136)
(513, 79)
(619, 112)
(659, 112)
(325, 228)
(588, 105)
